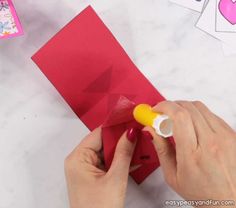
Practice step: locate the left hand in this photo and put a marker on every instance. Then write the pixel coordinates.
(89, 186)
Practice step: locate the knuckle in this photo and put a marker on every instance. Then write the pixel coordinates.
(71, 158)
(184, 103)
(182, 115)
(198, 103)
(83, 153)
(162, 103)
(124, 153)
(161, 151)
(213, 147)
(86, 155)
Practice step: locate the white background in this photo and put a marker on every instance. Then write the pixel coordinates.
(38, 129)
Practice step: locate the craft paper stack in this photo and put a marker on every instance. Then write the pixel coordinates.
(218, 19)
(9, 23)
(101, 84)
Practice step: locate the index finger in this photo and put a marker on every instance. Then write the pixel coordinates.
(183, 129)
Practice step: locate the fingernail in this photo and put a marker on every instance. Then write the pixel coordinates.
(132, 134)
(147, 134)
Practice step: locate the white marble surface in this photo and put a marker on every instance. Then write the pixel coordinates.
(38, 129)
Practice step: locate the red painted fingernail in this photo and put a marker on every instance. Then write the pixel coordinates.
(147, 134)
(132, 134)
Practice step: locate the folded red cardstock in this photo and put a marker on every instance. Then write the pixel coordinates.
(101, 84)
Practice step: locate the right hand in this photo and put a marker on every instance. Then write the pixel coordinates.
(202, 166)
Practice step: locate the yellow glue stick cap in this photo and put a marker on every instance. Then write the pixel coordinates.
(144, 115)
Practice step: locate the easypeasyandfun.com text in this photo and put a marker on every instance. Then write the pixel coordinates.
(199, 203)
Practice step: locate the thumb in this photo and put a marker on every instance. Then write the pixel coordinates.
(167, 156)
(123, 154)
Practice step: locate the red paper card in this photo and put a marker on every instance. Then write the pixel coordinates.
(101, 84)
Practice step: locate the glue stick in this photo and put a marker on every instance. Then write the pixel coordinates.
(162, 124)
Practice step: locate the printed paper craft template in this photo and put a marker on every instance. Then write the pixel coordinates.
(101, 84)
(218, 19)
(196, 5)
(228, 10)
(9, 22)
(226, 16)
(207, 23)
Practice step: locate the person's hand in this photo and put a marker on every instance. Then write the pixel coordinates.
(89, 186)
(203, 164)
